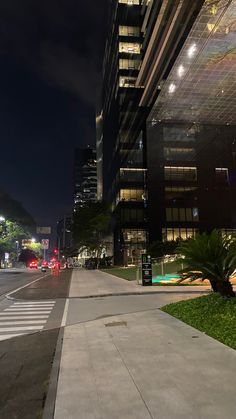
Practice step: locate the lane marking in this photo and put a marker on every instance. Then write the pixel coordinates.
(64, 318)
(13, 323)
(15, 329)
(24, 286)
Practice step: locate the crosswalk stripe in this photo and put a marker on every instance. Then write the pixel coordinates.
(19, 328)
(7, 323)
(13, 335)
(34, 302)
(12, 316)
(30, 306)
(27, 312)
(18, 310)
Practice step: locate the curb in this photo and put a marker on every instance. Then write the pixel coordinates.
(50, 402)
(142, 293)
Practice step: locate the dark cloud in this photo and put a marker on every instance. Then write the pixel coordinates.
(61, 40)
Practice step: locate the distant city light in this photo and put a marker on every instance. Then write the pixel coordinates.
(192, 50)
(180, 70)
(172, 88)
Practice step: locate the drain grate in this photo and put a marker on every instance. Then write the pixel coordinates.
(115, 324)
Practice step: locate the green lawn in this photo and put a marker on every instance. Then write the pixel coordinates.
(211, 314)
(130, 273)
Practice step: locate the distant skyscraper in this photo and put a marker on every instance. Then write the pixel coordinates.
(85, 177)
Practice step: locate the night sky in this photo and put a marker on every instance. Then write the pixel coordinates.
(50, 60)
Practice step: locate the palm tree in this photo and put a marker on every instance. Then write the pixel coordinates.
(213, 257)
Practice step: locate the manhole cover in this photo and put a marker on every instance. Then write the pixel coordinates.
(115, 324)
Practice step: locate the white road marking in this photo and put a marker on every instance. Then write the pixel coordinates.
(35, 302)
(14, 335)
(16, 329)
(19, 310)
(33, 306)
(24, 286)
(13, 323)
(12, 316)
(31, 316)
(64, 318)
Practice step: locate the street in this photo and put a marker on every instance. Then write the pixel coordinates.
(29, 327)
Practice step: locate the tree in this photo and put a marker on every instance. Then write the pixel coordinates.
(10, 232)
(26, 256)
(90, 227)
(159, 249)
(213, 257)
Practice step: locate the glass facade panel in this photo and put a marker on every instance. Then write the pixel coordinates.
(132, 175)
(125, 64)
(179, 154)
(126, 81)
(222, 175)
(129, 31)
(180, 192)
(178, 173)
(182, 214)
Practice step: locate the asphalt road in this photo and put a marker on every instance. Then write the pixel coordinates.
(29, 326)
(11, 279)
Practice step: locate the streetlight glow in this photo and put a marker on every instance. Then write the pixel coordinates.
(2, 218)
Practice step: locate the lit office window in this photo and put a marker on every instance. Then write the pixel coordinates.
(169, 234)
(132, 195)
(127, 81)
(130, 2)
(129, 47)
(129, 31)
(179, 173)
(182, 214)
(134, 236)
(125, 64)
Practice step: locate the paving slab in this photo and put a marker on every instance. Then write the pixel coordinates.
(93, 283)
(144, 365)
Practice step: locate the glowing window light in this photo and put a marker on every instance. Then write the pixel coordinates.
(172, 88)
(180, 70)
(192, 50)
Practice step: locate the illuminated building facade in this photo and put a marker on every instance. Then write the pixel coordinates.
(85, 177)
(168, 136)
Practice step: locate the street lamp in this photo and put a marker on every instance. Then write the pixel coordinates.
(2, 218)
(33, 240)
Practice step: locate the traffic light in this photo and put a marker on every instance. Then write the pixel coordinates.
(55, 252)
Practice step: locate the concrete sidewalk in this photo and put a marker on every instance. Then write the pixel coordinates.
(141, 365)
(86, 283)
